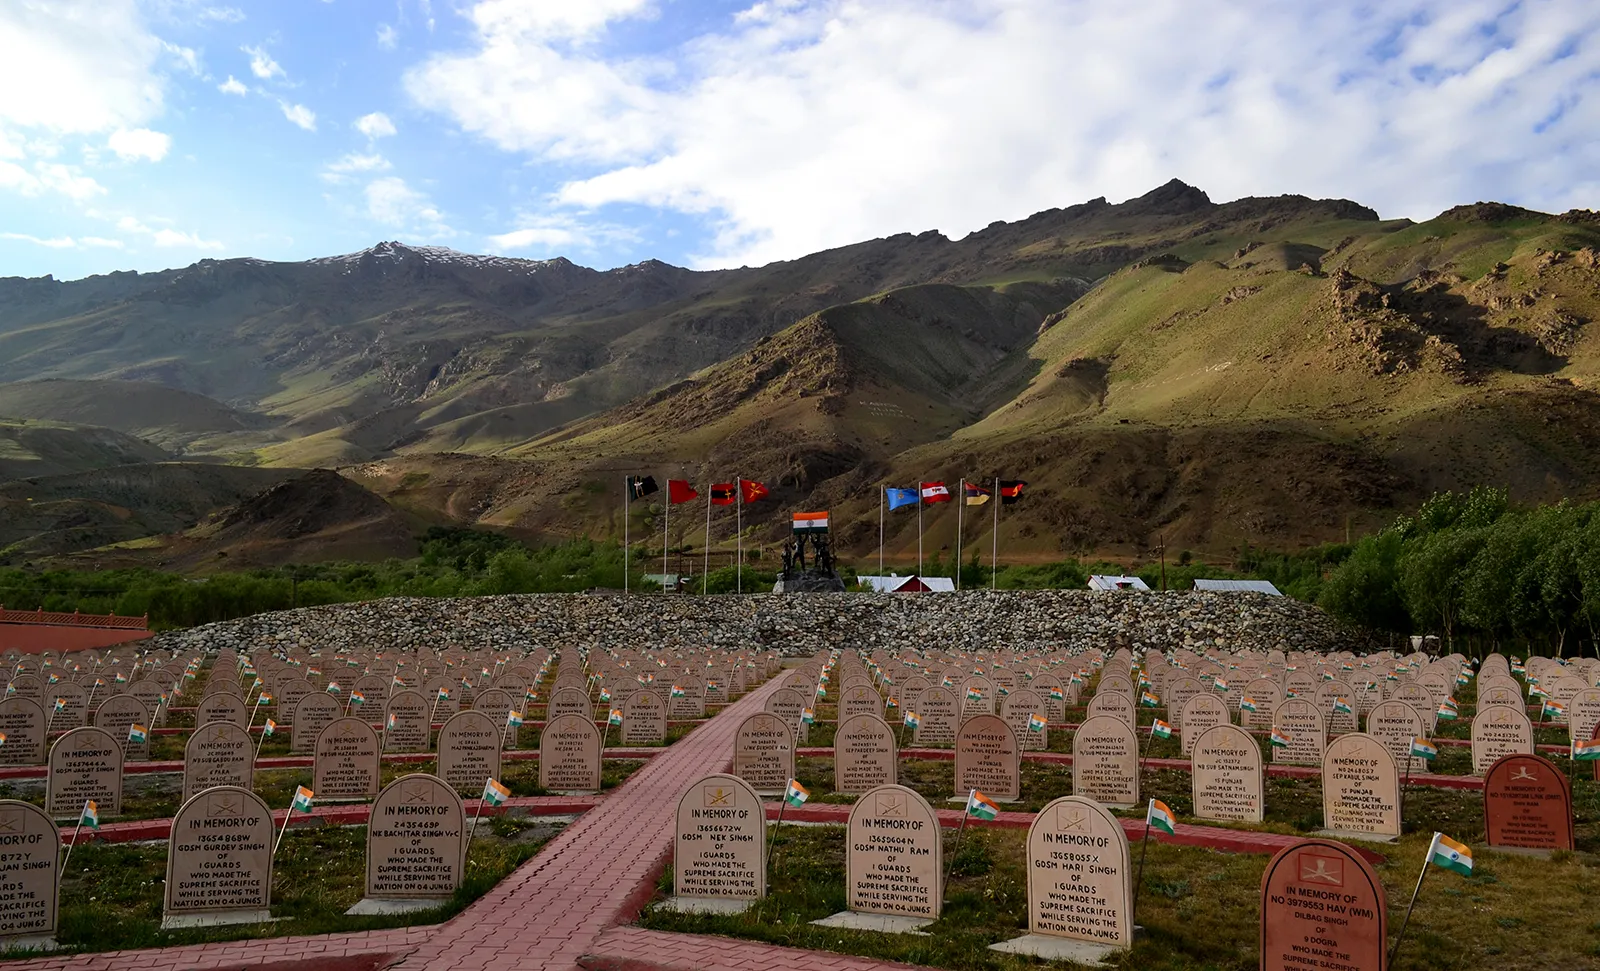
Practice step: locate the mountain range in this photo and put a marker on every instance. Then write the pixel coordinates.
(1268, 371)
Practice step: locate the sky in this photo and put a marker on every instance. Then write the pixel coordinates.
(145, 134)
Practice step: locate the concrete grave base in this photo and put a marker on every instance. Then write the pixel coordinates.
(389, 905)
(1058, 949)
(181, 921)
(1345, 834)
(879, 923)
(37, 942)
(963, 799)
(707, 905)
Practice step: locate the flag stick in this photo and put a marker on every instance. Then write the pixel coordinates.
(950, 866)
(961, 500)
(994, 538)
(473, 829)
(666, 515)
(883, 494)
(771, 861)
(919, 528)
(738, 525)
(1420, 877)
(503, 732)
(705, 570)
(1144, 846)
(76, 830)
(627, 487)
(285, 828)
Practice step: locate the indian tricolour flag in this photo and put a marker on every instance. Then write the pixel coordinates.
(1149, 700)
(1421, 748)
(494, 793)
(1447, 712)
(513, 719)
(808, 716)
(677, 691)
(1247, 703)
(1554, 709)
(264, 698)
(1586, 750)
(973, 694)
(1160, 729)
(615, 718)
(1341, 706)
(272, 726)
(91, 815)
(302, 800)
(811, 522)
(1159, 816)
(137, 734)
(357, 698)
(1056, 694)
(1451, 855)
(1221, 684)
(1036, 723)
(913, 720)
(1278, 739)
(796, 794)
(980, 806)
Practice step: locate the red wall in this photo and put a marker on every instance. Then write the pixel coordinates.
(38, 638)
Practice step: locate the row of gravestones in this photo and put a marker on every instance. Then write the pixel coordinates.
(1361, 778)
(87, 763)
(1080, 882)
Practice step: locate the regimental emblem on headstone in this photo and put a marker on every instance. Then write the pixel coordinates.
(720, 845)
(219, 859)
(1300, 891)
(30, 879)
(416, 840)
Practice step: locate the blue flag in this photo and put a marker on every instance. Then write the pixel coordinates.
(902, 497)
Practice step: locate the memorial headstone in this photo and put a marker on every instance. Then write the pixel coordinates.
(1227, 776)
(940, 715)
(569, 755)
(719, 846)
(1201, 712)
(1498, 731)
(644, 718)
(864, 755)
(1360, 788)
(30, 875)
(469, 751)
(567, 700)
(85, 763)
(23, 722)
(894, 856)
(1105, 761)
(346, 764)
(222, 708)
(219, 860)
(1080, 879)
(312, 714)
(1024, 710)
(416, 841)
(1301, 722)
(859, 699)
(987, 759)
(217, 754)
(763, 753)
(1527, 805)
(1300, 927)
(1114, 703)
(409, 730)
(1395, 723)
(117, 715)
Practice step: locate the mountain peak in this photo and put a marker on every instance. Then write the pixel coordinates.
(1175, 198)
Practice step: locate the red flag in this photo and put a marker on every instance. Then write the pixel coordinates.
(935, 492)
(752, 490)
(722, 493)
(679, 490)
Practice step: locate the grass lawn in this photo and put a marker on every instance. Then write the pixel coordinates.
(1199, 908)
(111, 897)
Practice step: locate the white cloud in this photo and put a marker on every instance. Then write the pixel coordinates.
(375, 125)
(392, 202)
(560, 232)
(140, 143)
(77, 66)
(300, 115)
(221, 15)
(49, 177)
(233, 86)
(261, 63)
(173, 239)
(343, 168)
(798, 126)
(388, 37)
(66, 242)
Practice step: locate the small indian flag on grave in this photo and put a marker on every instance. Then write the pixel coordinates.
(913, 720)
(808, 716)
(333, 688)
(61, 704)
(444, 694)
(1247, 703)
(1159, 816)
(892, 703)
(980, 806)
(1221, 684)
(302, 800)
(677, 691)
(822, 691)
(615, 718)
(712, 687)
(2, 738)
(1056, 694)
(1534, 691)
(513, 719)
(389, 723)
(357, 698)
(494, 793)
(272, 726)
(605, 695)
(264, 698)
(1447, 712)
(1447, 853)
(1278, 739)
(1586, 750)
(1341, 706)
(90, 816)
(1149, 700)
(1423, 749)
(1160, 729)
(1554, 709)
(138, 734)
(1036, 723)
(796, 794)
(973, 694)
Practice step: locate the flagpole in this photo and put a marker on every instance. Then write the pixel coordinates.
(961, 501)
(919, 528)
(994, 538)
(948, 867)
(473, 829)
(705, 569)
(666, 515)
(883, 497)
(74, 842)
(770, 863)
(738, 566)
(1420, 877)
(1144, 846)
(627, 487)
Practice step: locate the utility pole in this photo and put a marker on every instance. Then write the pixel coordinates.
(1161, 550)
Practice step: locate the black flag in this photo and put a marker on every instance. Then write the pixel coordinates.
(1011, 490)
(642, 486)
